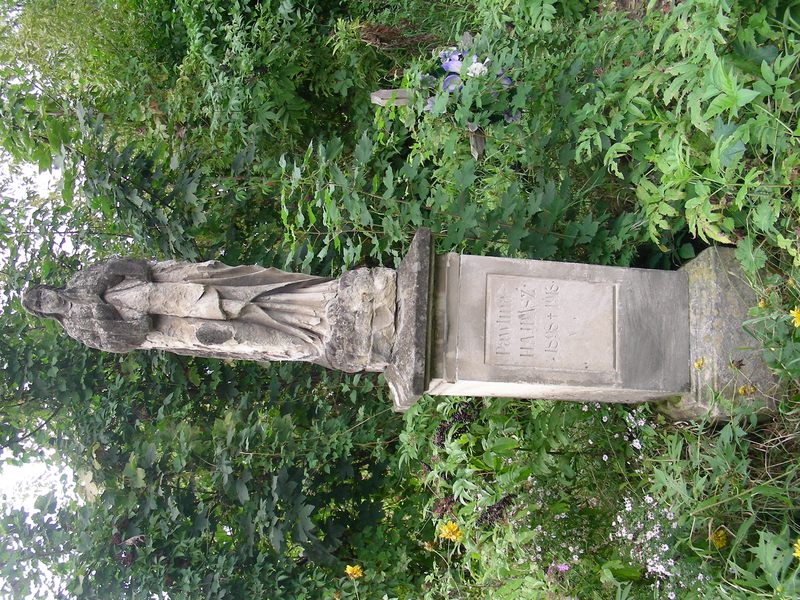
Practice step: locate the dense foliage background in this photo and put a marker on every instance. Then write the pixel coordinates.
(602, 132)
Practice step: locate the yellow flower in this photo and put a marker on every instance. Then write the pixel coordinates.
(450, 531)
(719, 538)
(762, 303)
(747, 390)
(795, 314)
(796, 552)
(354, 571)
(698, 364)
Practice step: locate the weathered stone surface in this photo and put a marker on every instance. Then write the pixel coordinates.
(361, 321)
(407, 375)
(212, 310)
(538, 329)
(396, 97)
(725, 361)
(455, 325)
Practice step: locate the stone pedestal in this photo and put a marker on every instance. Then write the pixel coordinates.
(482, 326)
(561, 331)
(726, 367)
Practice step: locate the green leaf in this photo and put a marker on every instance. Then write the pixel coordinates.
(46, 503)
(504, 446)
(304, 527)
(241, 491)
(745, 96)
(622, 572)
(388, 182)
(720, 104)
(276, 537)
(465, 176)
(686, 251)
(149, 454)
(767, 73)
(363, 150)
(766, 214)
(752, 259)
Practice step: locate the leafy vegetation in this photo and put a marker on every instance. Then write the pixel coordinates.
(608, 133)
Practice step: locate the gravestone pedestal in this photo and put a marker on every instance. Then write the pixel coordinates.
(447, 325)
(563, 331)
(726, 367)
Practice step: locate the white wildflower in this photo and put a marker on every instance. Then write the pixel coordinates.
(477, 69)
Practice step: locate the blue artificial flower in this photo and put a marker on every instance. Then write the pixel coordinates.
(452, 61)
(451, 83)
(450, 54)
(452, 65)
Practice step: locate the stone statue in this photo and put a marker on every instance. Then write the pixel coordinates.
(447, 325)
(213, 310)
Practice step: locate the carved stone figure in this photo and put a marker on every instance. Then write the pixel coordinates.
(213, 310)
(447, 325)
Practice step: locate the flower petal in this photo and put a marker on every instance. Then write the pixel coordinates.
(451, 83)
(449, 54)
(452, 66)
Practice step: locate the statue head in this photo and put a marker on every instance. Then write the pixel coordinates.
(45, 301)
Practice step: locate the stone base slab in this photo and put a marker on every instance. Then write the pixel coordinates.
(725, 363)
(408, 373)
(562, 331)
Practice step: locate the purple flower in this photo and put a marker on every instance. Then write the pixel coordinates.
(557, 568)
(453, 65)
(450, 54)
(451, 83)
(505, 80)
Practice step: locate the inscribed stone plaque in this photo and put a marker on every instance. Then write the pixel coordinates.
(540, 329)
(551, 324)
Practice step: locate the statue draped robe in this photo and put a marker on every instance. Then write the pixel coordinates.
(201, 309)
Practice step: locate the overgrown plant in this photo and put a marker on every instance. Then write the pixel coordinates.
(566, 131)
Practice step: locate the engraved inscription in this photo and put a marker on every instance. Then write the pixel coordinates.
(550, 324)
(551, 304)
(504, 326)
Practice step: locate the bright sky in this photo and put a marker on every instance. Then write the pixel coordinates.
(21, 485)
